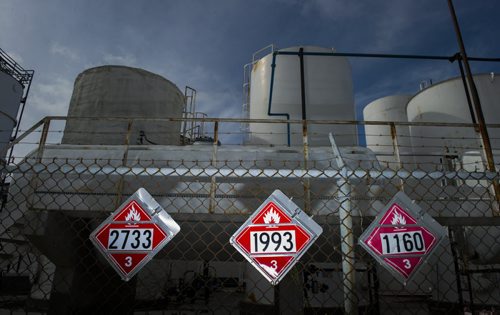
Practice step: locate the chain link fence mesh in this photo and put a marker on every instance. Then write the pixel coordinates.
(57, 195)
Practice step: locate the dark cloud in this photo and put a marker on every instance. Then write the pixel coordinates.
(204, 44)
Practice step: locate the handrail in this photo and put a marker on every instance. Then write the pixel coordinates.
(27, 132)
(280, 121)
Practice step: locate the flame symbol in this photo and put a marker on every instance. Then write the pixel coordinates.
(398, 219)
(272, 216)
(133, 215)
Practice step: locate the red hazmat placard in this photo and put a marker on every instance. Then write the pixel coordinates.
(275, 236)
(401, 237)
(133, 234)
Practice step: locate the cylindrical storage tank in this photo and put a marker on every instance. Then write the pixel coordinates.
(452, 148)
(11, 92)
(123, 92)
(446, 102)
(328, 96)
(391, 149)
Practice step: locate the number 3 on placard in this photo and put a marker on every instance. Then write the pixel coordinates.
(407, 263)
(128, 261)
(274, 264)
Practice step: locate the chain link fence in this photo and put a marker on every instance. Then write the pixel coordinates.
(53, 198)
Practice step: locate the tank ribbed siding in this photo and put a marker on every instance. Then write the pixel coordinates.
(122, 92)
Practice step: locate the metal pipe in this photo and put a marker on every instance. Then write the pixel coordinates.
(127, 141)
(280, 121)
(306, 181)
(185, 114)
(27, 132)
(347, 247)
(454, 252)
(302, 83)
(213, 179)
(121, 182)
(35, 180)
(346, 232)
(269, 113)
(467, 94)
(193, 106)
(43, 139)
(213, 189)
(477, 106)
(215, 144)
(390, 56)
(305, 140)
(395, 147)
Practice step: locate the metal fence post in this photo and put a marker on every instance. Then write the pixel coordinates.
(307, 181)
(347, 247)
(43, 138)
(124, 163)
(395, 147)
(213, 183)
(346, 233)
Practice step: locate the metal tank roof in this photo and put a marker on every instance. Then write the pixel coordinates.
(107, 92)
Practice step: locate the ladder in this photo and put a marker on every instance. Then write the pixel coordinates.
(247, 70)
(463, 277)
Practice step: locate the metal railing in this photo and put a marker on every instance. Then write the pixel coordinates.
(59, 193)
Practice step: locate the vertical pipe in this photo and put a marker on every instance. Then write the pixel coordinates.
(302, 83)
(213, 182)
(246, 100)
(43, 138)
(305, 140)
(127, 140)
(453, 244)
(395, 147)
(346, 233)
(216, 143)
(184, 122)
(213, 188)
(467, 94)
(479, 112)
(271, 87)
(35, 180)
(347, 247)
(193, 113)
(121, 182)
(307, 181)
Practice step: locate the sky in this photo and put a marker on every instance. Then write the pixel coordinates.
(204, 44)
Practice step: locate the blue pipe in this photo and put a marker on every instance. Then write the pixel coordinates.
(287, 115)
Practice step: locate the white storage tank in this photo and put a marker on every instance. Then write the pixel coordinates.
(379, 137)
(328, 96)
(453, 148)
(124, 92)
(11, 92)
(446, 102)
